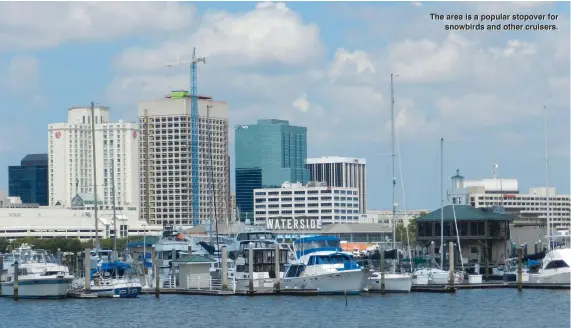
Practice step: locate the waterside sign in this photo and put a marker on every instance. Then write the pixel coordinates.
(293, 224)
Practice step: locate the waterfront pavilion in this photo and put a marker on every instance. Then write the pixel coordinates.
(484, 234)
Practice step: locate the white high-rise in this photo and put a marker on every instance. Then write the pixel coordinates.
(341, 172)
(166, 197)
(71, 160)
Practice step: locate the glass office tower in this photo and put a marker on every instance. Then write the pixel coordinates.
(29, 181)
(267, 154)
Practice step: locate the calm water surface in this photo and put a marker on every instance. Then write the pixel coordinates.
(465, 309)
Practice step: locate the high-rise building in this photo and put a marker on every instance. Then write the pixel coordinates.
(341, 172)
(166, 190)
(71, 159)
(29, 181)
(267, 154)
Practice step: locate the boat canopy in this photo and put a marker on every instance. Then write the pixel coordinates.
(307, 245)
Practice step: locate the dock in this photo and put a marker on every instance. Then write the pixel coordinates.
(81, 295)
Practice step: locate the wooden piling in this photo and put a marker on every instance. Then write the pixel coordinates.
(519, 270)
(451, 258)
(382, 253)
(16, 273)
(156, 271)
(58, 254)
(224, 267)
(251, 267)
(87, 268)
(277, 266)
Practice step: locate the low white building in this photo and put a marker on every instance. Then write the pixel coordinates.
(314, 201)
(530, 208)
(50, 222)
(385, 217)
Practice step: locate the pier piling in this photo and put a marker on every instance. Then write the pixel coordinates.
(519, 270)
(58, 254)
(173, 257)
(16, 273)
(451, 258)
(155, 270)
(87, 268)
(224, 268)
(277, 267)
(251, 267)
(382, 253)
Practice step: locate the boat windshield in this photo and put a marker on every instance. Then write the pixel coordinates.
(313, 244)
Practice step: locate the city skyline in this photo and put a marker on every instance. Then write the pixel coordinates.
(487, 108)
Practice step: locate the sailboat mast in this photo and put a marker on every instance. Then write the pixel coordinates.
(113, 197)
(548, 221)
(393, 158)
(442, 203)
(94, 164)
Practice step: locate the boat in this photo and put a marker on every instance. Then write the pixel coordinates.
(438, 276)
(321, 265)
(556, 267)
(111, 279)
(394, 283)
(264, 248)
(39, 275)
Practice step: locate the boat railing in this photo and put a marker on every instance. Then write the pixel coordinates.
(208, 283)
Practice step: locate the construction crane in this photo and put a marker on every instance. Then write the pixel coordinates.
(194, 130)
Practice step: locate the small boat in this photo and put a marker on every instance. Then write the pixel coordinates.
(111, 279)
(321, 265)
(394, 282)
(39, 275)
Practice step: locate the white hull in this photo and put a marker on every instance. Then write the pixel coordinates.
(420, 279)
(38, 288)
(349, 281)
(555, 276)
(394, 283)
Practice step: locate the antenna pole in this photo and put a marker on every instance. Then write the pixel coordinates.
(441, 203)
(548, 221)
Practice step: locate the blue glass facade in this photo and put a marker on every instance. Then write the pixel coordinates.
(29, 181)
(267, 154)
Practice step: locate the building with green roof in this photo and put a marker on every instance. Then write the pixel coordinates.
(484, 233)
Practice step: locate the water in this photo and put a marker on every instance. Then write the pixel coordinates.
(465, 309)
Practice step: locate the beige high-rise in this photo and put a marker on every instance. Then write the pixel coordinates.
(167, 196)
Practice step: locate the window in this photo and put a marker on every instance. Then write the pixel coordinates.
(556, 264)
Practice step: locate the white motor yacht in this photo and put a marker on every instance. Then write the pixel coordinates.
(39, 275)
(555, 268)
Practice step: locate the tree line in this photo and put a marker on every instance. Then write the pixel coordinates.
(64, 244)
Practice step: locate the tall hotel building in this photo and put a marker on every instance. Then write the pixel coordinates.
(166, 170)
(268, 154)
(71, 159)
(344, 172)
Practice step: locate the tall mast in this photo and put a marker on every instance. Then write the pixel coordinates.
(94, 167)
(113, 197)
(548, 221)
(393, 157)
(441, 203)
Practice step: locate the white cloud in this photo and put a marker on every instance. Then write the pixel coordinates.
(301, 103)
(271, 33)
(42, 24)
(346, 62)
(21, 75)
(455, 84)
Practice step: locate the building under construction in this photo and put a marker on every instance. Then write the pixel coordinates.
(166, 156)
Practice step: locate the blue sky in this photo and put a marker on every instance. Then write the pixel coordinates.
(322, 65)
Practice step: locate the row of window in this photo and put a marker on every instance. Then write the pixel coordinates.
(311, 211)
(309, 192)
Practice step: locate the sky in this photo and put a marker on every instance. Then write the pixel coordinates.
(323, 65)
